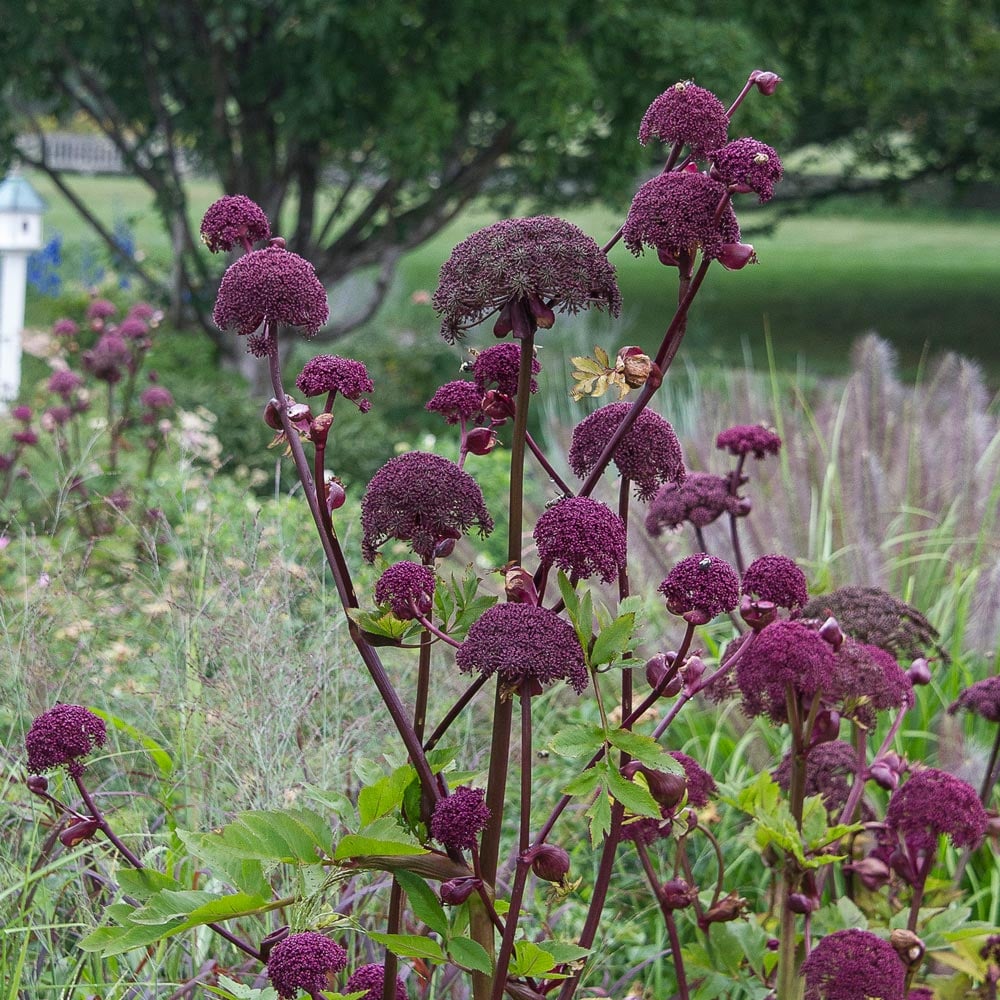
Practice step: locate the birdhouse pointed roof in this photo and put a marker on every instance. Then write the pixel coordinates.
(17, 195)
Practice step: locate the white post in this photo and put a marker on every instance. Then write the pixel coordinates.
(13, 281)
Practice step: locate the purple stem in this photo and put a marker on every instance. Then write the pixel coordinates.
(668, 918)
(546, 465)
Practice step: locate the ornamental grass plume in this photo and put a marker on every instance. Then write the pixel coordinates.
(649, 453)
(687, 114)
(460, 817)
(422, 499)
(776, 579)
(747, 165)
(498, 367)
(372, 979)
(330, 373)
(854, 965)
(521, 642)
(524, 269)
(701, 499)
(408, 589)
(702, 586)
(234, 220)
(583, 537)
(305, 961)
(62, 737)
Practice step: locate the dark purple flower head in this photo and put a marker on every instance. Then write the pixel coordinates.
(498, 366)
(932, 802)
(687, 114)
(542, 262)
(65, 328)
(747, 165)
(332, 373)
(421, 499)
(700, 784)
(156, 397)
(700, 499)
(22, 414)
(101, 309)
(854, 965)
(274, 286)
(703, 584)
(132, 328)
(56, 416)
(26, 436)
(521, 641)
(676, 214)
(749, 439)
(982, 698)
(649, 453)
(460, 818)
(830, 771)
(460, 400)
(304, 961)
(866, 680)
(62, 736)
(231, 220)
(583, 538)
(107, 358)
(405, 585)
(145, 312)
(776, 579)
(372, 979)
(784, 652)
(878, 618)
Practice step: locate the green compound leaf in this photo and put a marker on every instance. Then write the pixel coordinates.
(424, 902)
(469, 954)
(582, 740)
(411, 946)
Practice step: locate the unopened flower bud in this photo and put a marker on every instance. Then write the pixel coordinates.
(677, 894)
(883, 776)
(696, 616)
(656, 670)
(81, 830)
(550, 863)
(275, 937)
(830, 632)
(919, 671)
(520, 586)
(38, 784)
(728, 908)
(277, 241)
(456, 891)
(271, 417)
(826, 728)
(480, 441)
(692, 671)
(757, 614)
(320, 428)
(497, 406)
(872, 872)
(908, 946)
(335, 495)
(444, 548)
(736, 256)
(765, 81)
(799, 902)
(544, 317)
(666, 788)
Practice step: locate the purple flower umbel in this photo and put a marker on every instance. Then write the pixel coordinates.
(405, 586)
(776, 579)
(748, 165)
(701, 584)
(498, 366)
(932, 802)
(830, 769)
(421, 499)
(678, 213)
(274, 286)
(688, 114)
(541, 263)
(582, 537)
(749, 439)
(866, 680)
(700, 784)
(649, 453)
(982, 698)
(304, 961)
(460, 818)
(62, 736)
(854, 965)
(231, 220)
(456, 401)
(520, 641)
(700, 499)
(372, 979)
(332, 373)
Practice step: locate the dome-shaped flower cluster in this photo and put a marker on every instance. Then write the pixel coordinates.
(457, 401)
(866, 680)
(583, 537)
(701, 584)
(234, 220)
(372, 979)
(982, 698)
(749, 439)
(776, 579)
(687, 114)
(405, 586)
(700, 500)
(830, 769)
(459, 818)
(747, 165)
(931, 803)
(61, 737)
(332, 373)
(304, 961)
(541, 263)
(854, 965)
(498, 367)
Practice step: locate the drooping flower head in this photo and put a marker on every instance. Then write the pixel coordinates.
(866, 680)
(332, 373)
(830, 769)
(688, 114)
(784, 652)
(982, 698)
(498, 366)
(700, 499)
(61, 737)
(931, 803)
(421, 499)
(459, 818)
(304, 961)
(678, 213)
(702, 584)
(776, 579)
(405, 586)
(854, 965)
(372, 979)
(749, 439)
(747, 165)
(540, 264)
(457, 401)
(274, 286)
(649, 453)
(231, 220)
(523, 642)
(583, 537)
(873, 616)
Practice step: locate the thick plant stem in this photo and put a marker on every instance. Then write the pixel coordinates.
(557, 480)
(392, 927)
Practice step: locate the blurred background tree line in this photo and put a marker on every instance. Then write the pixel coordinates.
(366, 128)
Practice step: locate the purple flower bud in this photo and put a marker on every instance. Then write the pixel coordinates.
(799, 902)
(457, 890)
(826, 728)
(728, 908)
(498, 405)
(830, 632)
(908, 946)
(79, 831)
(656, 669)
(551, 863)
(335, 495)
(883, 776)
(757, 614)
(692, 671)
(677, 894)
(480, 441)
(765, 81)
(872, 872)
(736, 256)
(38, 784)
(920, 671)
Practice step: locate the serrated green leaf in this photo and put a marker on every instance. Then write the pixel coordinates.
(645, 750)
(564, 952)
(141, 883)
(384, 836)
(110, 941)
(530, 960)
(585, 620)
(470, 954)
(599, 815)
(245, 874)
(229, 989)
(633, 796)
(384, 795)
(424, 902)
(581, 740)
(613, 641)
(584, 783)
(568, 595)
(411, 946)
(383, 624)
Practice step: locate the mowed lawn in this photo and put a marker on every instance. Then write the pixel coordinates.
(926, 282)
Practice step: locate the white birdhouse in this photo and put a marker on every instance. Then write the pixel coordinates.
(21, 210)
